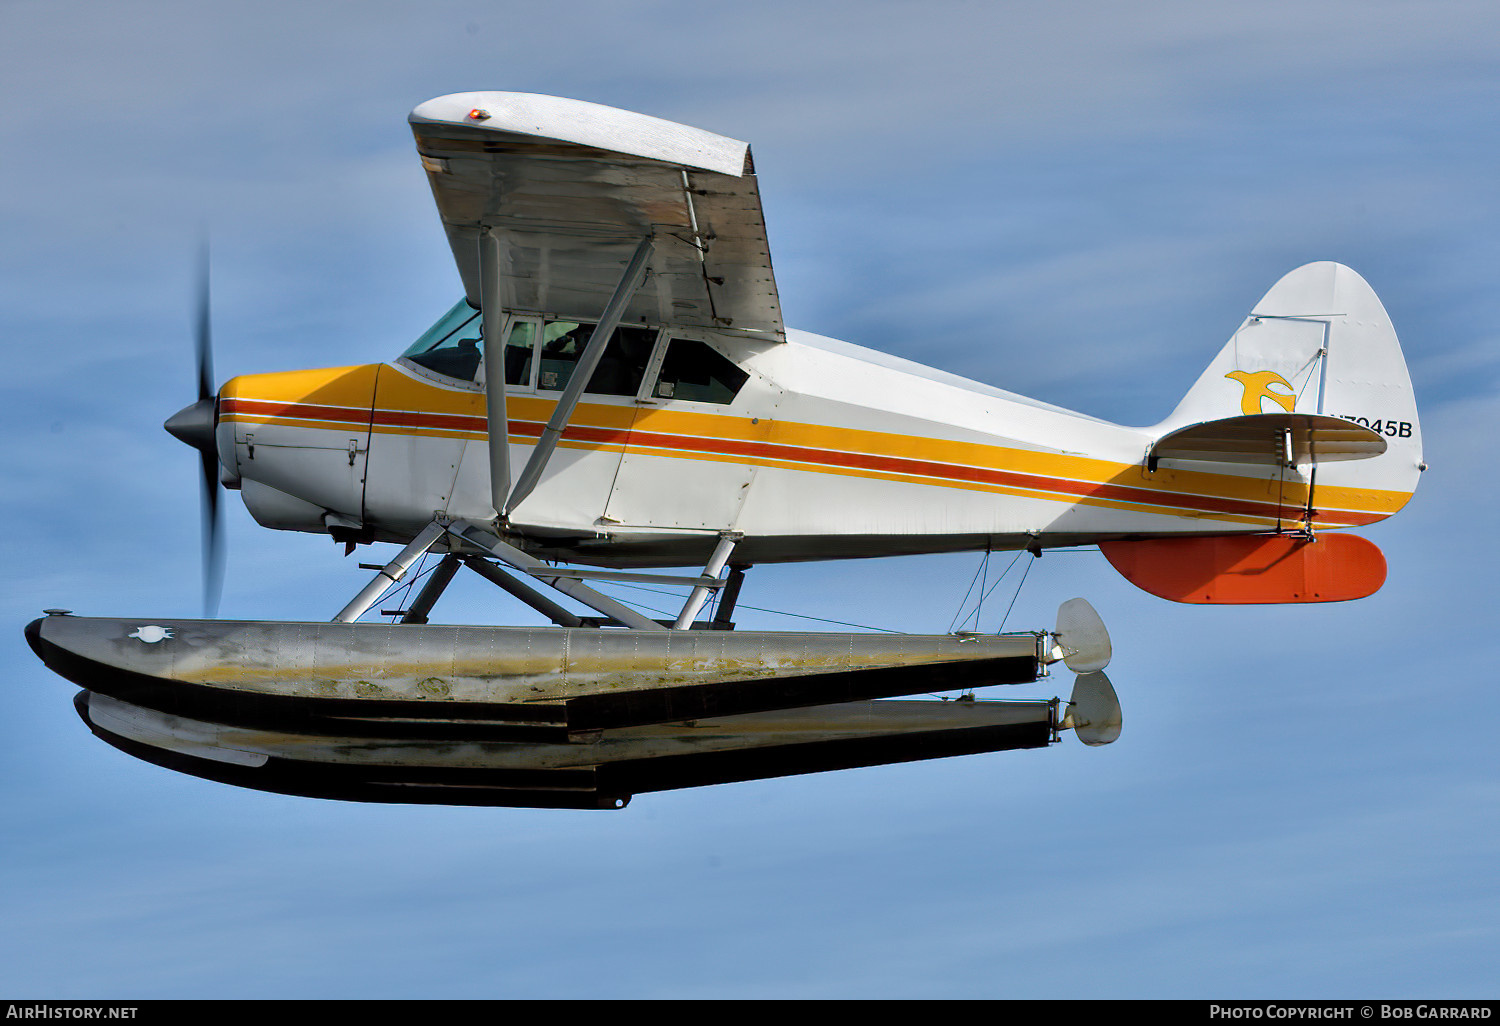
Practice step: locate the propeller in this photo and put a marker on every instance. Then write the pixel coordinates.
(195, 425)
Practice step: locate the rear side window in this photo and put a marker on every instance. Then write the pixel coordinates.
(697, 372)
(620, 369)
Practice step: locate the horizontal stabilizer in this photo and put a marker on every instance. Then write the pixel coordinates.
(1270, 439)
(1251, 569)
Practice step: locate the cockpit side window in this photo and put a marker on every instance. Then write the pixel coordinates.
(620, 369)
(697, 372)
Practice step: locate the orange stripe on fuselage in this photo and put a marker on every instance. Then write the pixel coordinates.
(336, 397)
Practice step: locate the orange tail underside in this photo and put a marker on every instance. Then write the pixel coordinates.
(1251, 569)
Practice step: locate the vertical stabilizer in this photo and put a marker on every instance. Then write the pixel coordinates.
(1320, 342)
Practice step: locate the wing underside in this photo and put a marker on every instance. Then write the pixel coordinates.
(570, 189)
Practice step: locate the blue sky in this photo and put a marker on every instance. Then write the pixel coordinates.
(1068, 200)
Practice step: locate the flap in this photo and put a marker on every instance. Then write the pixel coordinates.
(572, 187)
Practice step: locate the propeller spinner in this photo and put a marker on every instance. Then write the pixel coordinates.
(194, 425)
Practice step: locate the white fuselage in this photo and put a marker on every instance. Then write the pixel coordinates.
(826, 451)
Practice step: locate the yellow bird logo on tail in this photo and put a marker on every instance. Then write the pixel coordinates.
(1257, 385)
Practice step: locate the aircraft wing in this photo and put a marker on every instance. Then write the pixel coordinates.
(571, 188)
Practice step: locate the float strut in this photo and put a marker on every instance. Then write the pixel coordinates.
(432, 590)
(723, 616)
(533, 598)
(700, 594)
(393, 572)
(535, 568)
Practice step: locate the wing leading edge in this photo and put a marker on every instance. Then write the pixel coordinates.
(570, 188)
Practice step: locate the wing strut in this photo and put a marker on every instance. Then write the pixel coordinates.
(494, 367)
(635, 273)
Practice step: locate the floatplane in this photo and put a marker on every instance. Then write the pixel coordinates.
(615, 395)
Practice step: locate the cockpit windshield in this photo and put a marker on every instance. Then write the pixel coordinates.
(452, 346)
